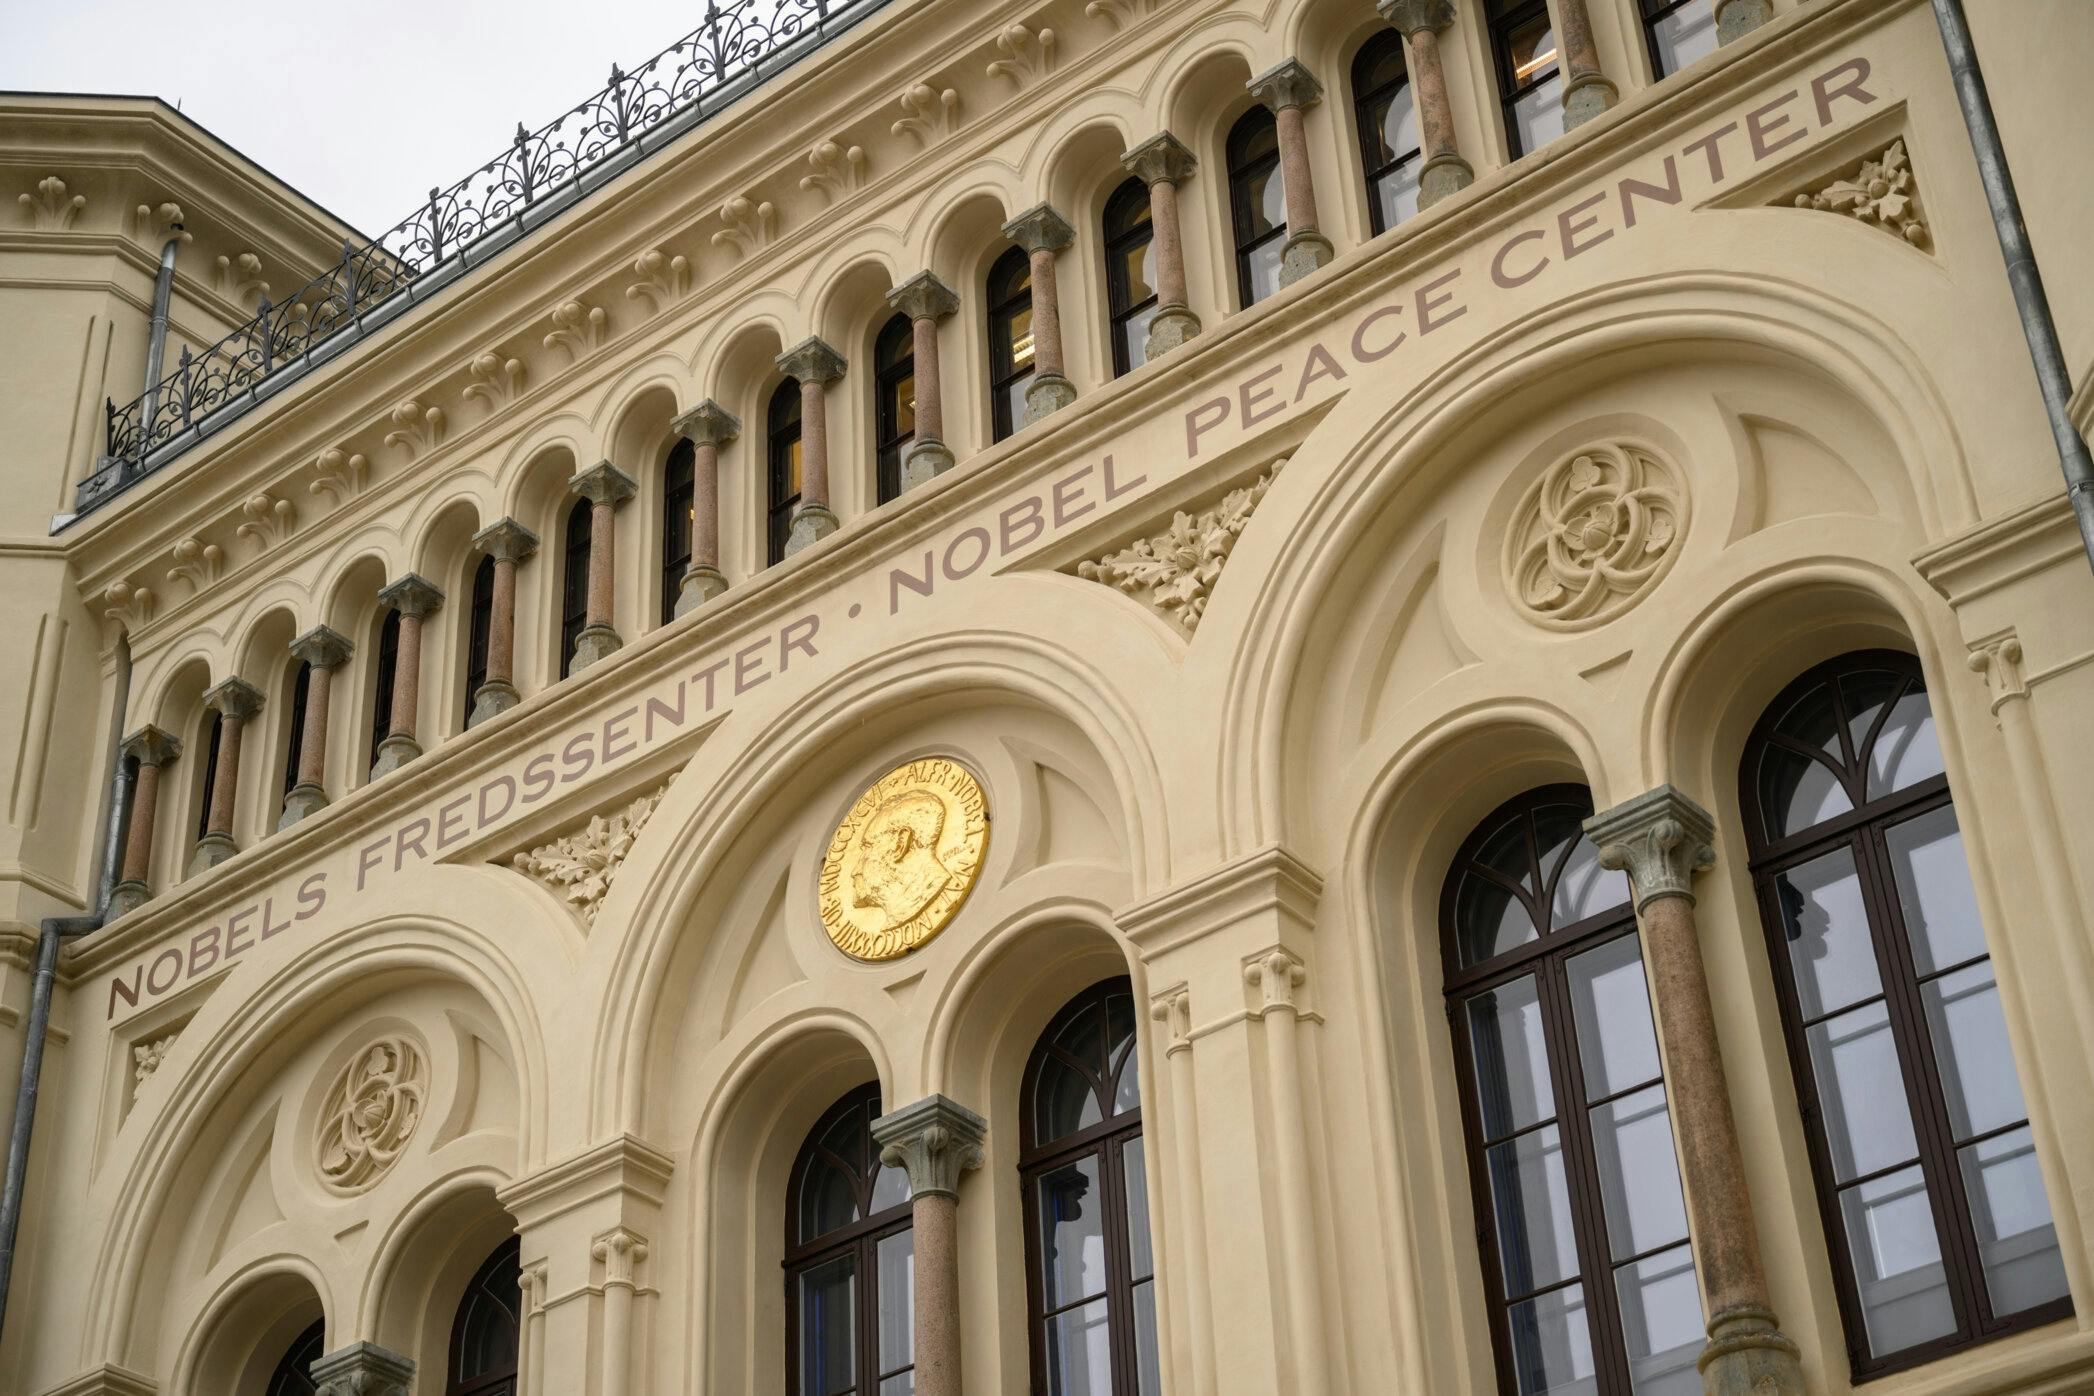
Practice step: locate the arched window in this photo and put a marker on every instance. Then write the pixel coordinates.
(382, 699)
(1130, 273)
(479, 626)
(784, 438)
(294, 1370)
(894, 411)
(1530, 79)
(1390, 143)
(490, 1318)
(574, 581)
(849, 1261)
(1010, 339)
(678, 504)
(1257, 204)
(1679, 32)
(1579, 1209)
(214, 724)
(300, 686)
(1933, 1204)
(1091, 1273)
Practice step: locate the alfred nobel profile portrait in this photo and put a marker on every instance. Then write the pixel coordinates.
(901, 871)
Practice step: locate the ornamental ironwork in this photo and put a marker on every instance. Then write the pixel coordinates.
(741, 44)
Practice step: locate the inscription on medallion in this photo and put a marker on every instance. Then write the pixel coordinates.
(904, 858)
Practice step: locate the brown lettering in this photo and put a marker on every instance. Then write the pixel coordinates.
(1247, 398)
(705, 675)
(957, 573)
(1757, 130)
(794, 637)
(1027, 512)
(312, 895)
(1311, 372)
(1569, 230)
(1065, 496)
(538, 772)
(748, 666)
(673, 717)
(1195, 428)
(577, 758)
(198, 943)
(174, 972)
(1822, 91)
(127, 992)
(1666, 193)
(1113, 489)
(367, 858)
(503, 783)
(235, 926)
(614, 728)
(1428, 302)
(1709, 143)
(270, 927)
(419, 828)
(1360, 352)
(897, 579)
(450, 821)
(1498, 275)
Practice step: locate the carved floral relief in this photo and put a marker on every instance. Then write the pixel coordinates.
(370, 1113)
(1593, 535)
(1175, 570)
(581, 866)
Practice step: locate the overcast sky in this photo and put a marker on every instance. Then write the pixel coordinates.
(361, 105)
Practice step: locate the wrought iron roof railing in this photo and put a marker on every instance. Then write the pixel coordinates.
(739, 46)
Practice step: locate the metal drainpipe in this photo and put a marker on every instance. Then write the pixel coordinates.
(156, 333)
(2027, 283)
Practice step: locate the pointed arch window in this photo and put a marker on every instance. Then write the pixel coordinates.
(479, 629)
(894, 408)
(1932, 1199)
(574, 581)
(1130, 273)
(1010, 339)
(1390, 140)
(849, 1261)
(1530, 77)
(294, 1370)
(679, 502)
(300, 687)
(1579, 1210)
(1090, 1268)
(783, 421)
(388, 659)
(1257, 204)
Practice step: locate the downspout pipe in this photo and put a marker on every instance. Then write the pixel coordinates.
(2041, 331)
(156, 331)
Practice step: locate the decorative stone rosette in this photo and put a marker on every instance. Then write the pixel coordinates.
(370, 1113)
(1593, 535)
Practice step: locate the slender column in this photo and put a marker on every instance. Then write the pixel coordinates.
(1042, 232)
(1163, 163)
(708, 427)
(532, 1377)
(508, 543)
(235, 700)
(1288, 89)
(326, 650)
(1663, 839)
(934, 1140)
(606, 487)
(620, 1253)
(816, 365)
(152, 749)
(1587, 90)
(1737, 18)
(926, 300)
(1443, 172)
(1278, 974)
(416, 599)
(363, 1369)
(1173, 1009)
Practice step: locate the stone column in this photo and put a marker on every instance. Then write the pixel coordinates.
(235, 701)
(1663, 839)
(934, 1140)
(508, 543)
(606, 487)
(416, 599)
(926, 300)
(152, 749)
(619, 1253)
(1163, 163)
(1443, 171)
(1277, 975)
(363, 1369)
(1288, 89)
(531, 1373)
(1042, 232)
(326, 650)
(708, 427)
(816, 365)
(1737, 18)
(1587, 91)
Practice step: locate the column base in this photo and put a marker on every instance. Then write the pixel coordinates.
(700, 585)
(1172, 326)
(926, 461)
(1442, 176)
(128, 897)
(1303, 254)
(1737, 18)
(811, 525)
(393, 753)
(1748, 1355)
(491, 697)
(211, 850)
(594, 643)
(1587, 96)
(363, 1369)
(302, 801)
(1047, 394)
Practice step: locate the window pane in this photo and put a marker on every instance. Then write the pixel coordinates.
(1584, 888)
(1127, 1094)
(1538, 116)
(1513, 1086)
(1616, 1045)
(1079, 1352)
(1934, 892)
(1065, 1101)
(1019, 346)
(1531, 1199)
(1265, 268)
(1265, 201)
(1147, 1366)
(1397, 125)
(1906, 751)
(1138, 264)
(1134, 1174)
(2011, 1213)
(1134, 335)
(900, 1384)
(1685, 36)
(1639, 1177)
(1868, 1124)
(890, 1188)
(1897, 1262)
(1971, 1051)
(828, 1341)
(1827, 927)
(1551, 1344)
(1489, 920)
(897, 1295)
(903, 405)
(1397, 193)
(827, 1200)
(1798, 793)
(1072, 1240)
(1661, 1323)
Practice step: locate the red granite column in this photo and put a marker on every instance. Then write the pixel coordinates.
(1443, 172)
(508, 543)
(1289, 89)
(606, 487)
(152, 749)
(1587, 91)
(235, 700)
(1042, 232)
(1163, 163)
(926, 300)
(416, 599)
(1737, 18)
(816, 365)
(934, 1140)
(325, 650)
(708, 427)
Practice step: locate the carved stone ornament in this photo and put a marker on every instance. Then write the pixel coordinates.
(933, 1140)
(1593, 535)
(580, 867)
(1879, 192)
(370, 1113)
(1173, 572)
(50, 209)
(1661, 837)
(903, 859)
(148, 1055)
(927, 113)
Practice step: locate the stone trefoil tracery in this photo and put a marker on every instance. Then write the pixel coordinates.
(370, 1113)
(580, 867)
(1174, 571)
(1595, 533)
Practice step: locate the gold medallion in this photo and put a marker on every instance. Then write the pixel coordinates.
(904, 859)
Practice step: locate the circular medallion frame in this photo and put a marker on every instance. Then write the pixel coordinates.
(902, 861)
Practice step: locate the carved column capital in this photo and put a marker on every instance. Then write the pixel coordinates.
(323, 647)
(934, 1140)
(924, 297)
(413, 595)
(1998, 658)
(812, 360)
(603, 483)
(1161, 159)
(1276, 972)
(363, 1369)
(1040, 229)
(1172, 1007)
(506, 540)
(152, 746)
(1661, 837)
(234, 698)
(707, 424)
(1408, 17)
(620, 1252)
(1287, 84)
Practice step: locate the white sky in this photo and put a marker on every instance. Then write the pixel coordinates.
(361, 105)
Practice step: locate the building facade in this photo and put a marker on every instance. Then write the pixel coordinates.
(1147, 696)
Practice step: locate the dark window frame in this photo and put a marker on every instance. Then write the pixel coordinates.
(479, 632)
(385, 662)
(783, 432)
(1244, 239)
(490, 1285)
(1652, 13)
(1127, 227)
(1505, 17)
(1368, 103)
(679, 500)
(894, 370)
(1010, 293)
(293, 1375)
(213, 731)
(301, 685)
(577, 540)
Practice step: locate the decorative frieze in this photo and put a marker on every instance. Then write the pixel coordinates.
(1173, 571)
(834, 170)
(196, 563)
(239, 278)
(1880, 192)
(1593, 535)
(129, 606)
(370, 1112)
(747, 224)
(268, 520)
(665, 279)
(339, 475)
(1028, 55)
(49, 209)
(497, 381)
(580, 867)
(927, 113)
(417, 427)
(153, 226)
(578, 329)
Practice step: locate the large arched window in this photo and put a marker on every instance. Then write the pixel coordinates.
(1090, 1269)
(484, 1334)
(894, 407)
(678, 506)
(1010, 340)
(783, 436)
(1578, 1202)
(295, 738)
(1390, 143)
(294, 1370)
(1257, 204)
(850, 1261)
(1933, 1204)
(479, 628)
(1530, 79)
(1130, 273)
(574, 581)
